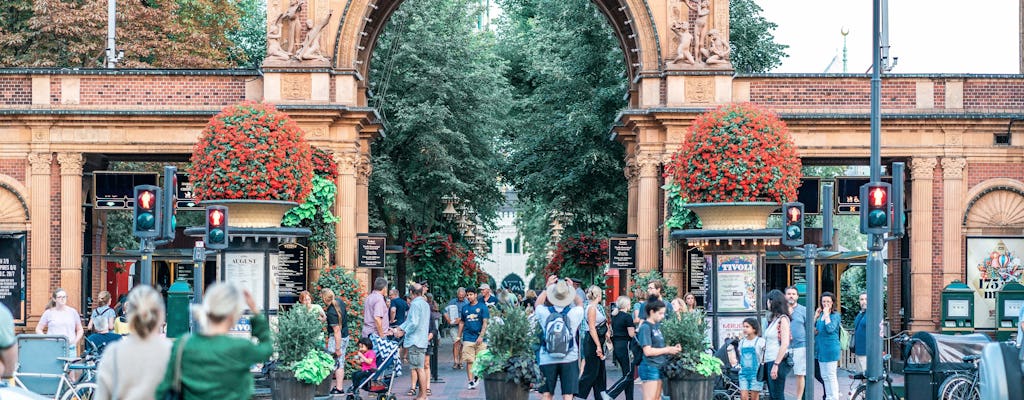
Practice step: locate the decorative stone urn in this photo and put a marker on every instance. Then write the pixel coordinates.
(254, 213)
(734, 216)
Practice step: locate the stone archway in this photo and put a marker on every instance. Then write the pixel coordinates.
(995, 207)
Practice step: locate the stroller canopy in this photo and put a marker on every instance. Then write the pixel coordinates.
(937, 352)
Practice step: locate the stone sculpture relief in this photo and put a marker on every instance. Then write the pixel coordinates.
(283, 47)
(702, 47)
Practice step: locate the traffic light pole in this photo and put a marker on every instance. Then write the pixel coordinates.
(810, 253)
(146, 261)
(875, 267)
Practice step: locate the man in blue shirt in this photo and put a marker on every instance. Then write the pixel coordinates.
(398, 308)
(860, 337)
(486, 296)
(415, 329)
(798, 344)
(472, 328)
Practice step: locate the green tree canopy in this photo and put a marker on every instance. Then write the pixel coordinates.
(753, 45)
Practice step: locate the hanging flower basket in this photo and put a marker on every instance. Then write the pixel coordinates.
(737, 164)
(253, 159)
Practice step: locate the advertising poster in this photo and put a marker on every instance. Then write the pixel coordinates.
(991, 263)
(729, 327)
(246, 270)
(736, 283)
(13, 254)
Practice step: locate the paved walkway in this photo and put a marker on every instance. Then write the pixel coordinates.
(454, 385)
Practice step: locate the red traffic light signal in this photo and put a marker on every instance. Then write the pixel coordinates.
(216, 236)
(146, 213)
(793, 228)
(874, 210)
(145, 199)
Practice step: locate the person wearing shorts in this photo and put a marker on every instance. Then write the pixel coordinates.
(798, 341)
(472, 329)
(560, 297)
(655, 353)
(415, 329)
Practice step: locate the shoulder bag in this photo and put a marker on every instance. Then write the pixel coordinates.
(175, 393)
(762, 372)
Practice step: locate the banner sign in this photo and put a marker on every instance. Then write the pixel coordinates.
(13, 253)
(370, 250)
(622, 251)
(992, 262)
(290, 272)
(737, 283)
(246, 269)
(698, 286)
(186, 200)
(114, 190)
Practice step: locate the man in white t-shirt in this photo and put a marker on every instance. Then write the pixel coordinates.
(559, 297)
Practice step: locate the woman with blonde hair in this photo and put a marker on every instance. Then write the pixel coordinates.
(594, 375)
(623, 345)
(213, 364)
(62, 319)
(132, 367)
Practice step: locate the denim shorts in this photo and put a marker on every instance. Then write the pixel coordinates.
(750, 383)
(648, 372)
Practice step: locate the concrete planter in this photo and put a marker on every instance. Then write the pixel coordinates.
(690, 387)
(734, 216)
(498, 387)
(254, 213)
(284, 386)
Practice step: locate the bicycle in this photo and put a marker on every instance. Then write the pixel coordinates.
(83, 388)
(858, 391)
(962, 385)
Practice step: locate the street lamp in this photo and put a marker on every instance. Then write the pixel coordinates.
(449, 212)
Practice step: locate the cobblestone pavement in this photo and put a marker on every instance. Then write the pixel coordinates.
(454, 382)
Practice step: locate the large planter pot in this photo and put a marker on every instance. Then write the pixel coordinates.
(734, 216)
(284, 386)
(254, 213)
(324, 388)
(690, 387)
(497, 387)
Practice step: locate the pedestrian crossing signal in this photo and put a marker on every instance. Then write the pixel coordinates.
(793, 228)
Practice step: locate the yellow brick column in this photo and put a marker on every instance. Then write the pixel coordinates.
(922, 171)
(952, 213)
(39, 203)
(71, 228)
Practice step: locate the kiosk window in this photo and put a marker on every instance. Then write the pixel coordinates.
(958, 308)
(1011, 308)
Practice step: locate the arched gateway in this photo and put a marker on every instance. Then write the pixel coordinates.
(58, 126)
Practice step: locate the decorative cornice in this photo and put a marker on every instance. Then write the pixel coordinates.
(71, 163)
(953, 168)
(922, 167)
(40, 163)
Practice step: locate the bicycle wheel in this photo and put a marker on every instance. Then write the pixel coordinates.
(860, 393)
(85, 391)
(951, 387)
(968, 391)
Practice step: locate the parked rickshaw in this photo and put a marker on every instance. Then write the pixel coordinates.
(932, 357)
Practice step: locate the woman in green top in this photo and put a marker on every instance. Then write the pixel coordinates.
(213, 364)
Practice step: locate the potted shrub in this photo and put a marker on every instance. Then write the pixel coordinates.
(691, 373)
(255, 160)
(737, 164)
(299, 367)
(509, 366)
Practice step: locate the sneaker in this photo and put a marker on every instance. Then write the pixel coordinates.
(605, 396)
(471, 385)
(336, 391)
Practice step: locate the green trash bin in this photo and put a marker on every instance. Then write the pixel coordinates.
(957, 309)
(1009, 301)
(179, 298)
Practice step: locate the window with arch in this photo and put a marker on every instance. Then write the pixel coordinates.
(508, 246)
(517, 245)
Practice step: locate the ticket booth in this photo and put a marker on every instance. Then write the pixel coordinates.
(1009, 301)
(957, 309)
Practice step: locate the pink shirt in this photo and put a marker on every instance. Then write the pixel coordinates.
(373, 361)
(375, 306)
(64, 322)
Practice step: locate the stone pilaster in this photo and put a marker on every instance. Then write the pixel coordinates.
(71, 225)
(39, 202)
(647, 212)
(953, 189)
(345, 209)
(922, 315)
(632, 173)
(363, 171)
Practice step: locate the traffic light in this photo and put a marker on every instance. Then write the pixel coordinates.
(146, 218)
(216, 237)
(170, 199)
(874, 208)
(793, 228)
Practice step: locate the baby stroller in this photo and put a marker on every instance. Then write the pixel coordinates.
(380, 381)
(727, 385)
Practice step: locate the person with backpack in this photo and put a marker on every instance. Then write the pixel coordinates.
(560, 321)
(336, 313)
(826, 343)
(472, 328)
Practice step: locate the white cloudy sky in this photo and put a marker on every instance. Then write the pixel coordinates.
(980, 36)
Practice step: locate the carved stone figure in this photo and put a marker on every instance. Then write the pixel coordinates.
(274, 50)
(717, 51)
(310, 49)
(700, 25)
(684, 51)
(291, 37)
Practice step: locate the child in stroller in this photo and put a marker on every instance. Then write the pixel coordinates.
(379, 364)
(727, 385)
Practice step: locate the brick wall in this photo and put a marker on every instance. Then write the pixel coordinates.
(937, 221)
(980, 172)
(162, 90)
(994, 94)
(15, 90)
(836, 93)
(939, 97)
(14, 168)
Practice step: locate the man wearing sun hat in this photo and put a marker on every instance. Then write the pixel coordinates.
(559, 318)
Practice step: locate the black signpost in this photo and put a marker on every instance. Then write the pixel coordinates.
(13, 254)
(698, 284)
(291, 273)
(622, 251)
(114, 190)
(370, 250)
(847, 196)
